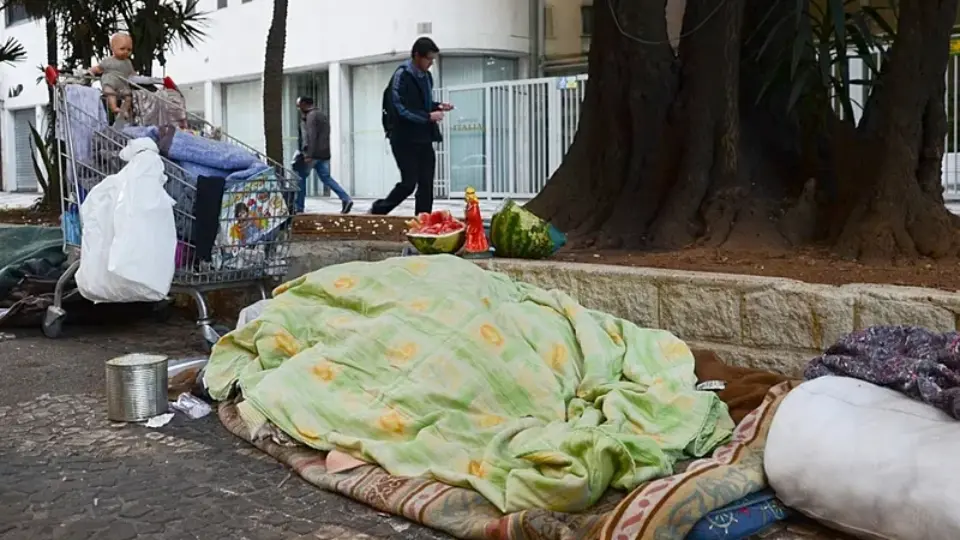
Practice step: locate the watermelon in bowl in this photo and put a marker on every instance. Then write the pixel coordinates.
(435, 233)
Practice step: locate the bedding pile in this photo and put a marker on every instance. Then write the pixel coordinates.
(431, 366)
(491, 409)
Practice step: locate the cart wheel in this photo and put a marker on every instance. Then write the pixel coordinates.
(220, 330)
(53, 329)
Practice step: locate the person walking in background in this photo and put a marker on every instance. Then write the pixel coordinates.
(411, 122)
(313, 142)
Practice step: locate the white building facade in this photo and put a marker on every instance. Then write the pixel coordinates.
(340, 53)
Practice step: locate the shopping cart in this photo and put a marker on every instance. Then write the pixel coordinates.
(231, 247)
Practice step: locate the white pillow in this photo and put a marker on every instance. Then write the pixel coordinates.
(866, 460)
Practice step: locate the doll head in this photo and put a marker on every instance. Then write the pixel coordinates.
(122, 45)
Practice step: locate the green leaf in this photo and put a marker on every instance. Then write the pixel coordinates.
(798, 89)
(44, 174)
(12, 52)
(879, 20)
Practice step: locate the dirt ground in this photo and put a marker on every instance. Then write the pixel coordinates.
(352, 227)
(810, 265)
(26, 216)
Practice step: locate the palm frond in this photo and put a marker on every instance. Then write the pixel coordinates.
(12, 52)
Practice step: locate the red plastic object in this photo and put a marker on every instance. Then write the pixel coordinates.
(51, 74)
(169, 84)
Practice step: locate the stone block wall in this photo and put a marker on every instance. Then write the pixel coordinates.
(770, 323)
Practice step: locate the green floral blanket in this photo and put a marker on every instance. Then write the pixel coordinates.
(432, 366)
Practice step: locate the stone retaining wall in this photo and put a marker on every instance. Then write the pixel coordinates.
(772, 323)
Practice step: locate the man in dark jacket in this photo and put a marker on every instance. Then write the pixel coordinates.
(414, 128)
(313, 141)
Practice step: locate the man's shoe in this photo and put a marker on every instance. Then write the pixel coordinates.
(347, 207)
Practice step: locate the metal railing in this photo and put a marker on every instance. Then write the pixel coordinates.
(507, 138)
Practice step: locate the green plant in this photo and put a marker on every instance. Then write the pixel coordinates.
(46, 166)
(12, 52)
(159, 25)
(811, 48)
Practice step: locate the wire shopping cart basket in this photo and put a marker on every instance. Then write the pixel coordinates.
(233, 231)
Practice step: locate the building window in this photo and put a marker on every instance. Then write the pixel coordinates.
(221, 4)
(586, 21)
(15, 13)
(548, 31)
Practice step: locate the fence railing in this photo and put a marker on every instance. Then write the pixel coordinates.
(507, 138)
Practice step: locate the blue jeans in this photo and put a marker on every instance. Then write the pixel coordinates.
(323, 172)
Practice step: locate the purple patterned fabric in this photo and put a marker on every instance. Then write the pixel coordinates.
(922, 364)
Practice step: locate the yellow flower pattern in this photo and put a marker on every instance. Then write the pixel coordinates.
(392, 422)
(476, 469)
(491, 335)
(326, 371)
(487, 421)
(286, 343)
(674, 349)
(557, 357)
(417, 266)
(420, 305)
(340, 321)
(402, 354)
(614, 334)
(345, 283)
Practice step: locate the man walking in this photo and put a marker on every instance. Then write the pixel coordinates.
(313, 141)
(411, 121)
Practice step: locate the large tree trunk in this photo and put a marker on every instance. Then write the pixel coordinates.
(273, 82)
(677, 150)
(901, 211)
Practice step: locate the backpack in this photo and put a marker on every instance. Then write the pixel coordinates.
(388, 113)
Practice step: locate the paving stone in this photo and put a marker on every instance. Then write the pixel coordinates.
(70, 473)
(119, 531)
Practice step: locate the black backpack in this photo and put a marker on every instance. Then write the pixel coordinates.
(388, 113)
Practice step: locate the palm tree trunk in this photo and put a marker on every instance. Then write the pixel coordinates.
(51, 195)
(273, 82)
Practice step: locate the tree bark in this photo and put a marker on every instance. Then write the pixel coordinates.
(273, 82)
(678, 150)
(901, 212)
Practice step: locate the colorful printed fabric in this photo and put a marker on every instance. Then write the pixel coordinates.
(669, 508)
(917, 362)
(741, 519)
(252, 210)
(432, 366)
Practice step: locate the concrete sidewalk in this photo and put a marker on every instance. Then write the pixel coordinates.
(69, 473)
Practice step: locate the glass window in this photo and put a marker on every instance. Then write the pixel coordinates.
(221, 4)
(15, 13)
(586, 21)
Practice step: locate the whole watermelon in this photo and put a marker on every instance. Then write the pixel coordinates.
(517, 233)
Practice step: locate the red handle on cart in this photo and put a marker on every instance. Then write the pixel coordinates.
(51, 74)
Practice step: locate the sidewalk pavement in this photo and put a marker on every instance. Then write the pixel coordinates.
(69, 473)
(315, 205)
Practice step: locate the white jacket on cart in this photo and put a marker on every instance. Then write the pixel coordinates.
(129, 240)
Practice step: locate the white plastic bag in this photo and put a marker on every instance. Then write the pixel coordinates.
(251, 312)
(129, 238)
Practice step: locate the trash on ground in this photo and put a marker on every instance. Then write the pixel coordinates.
(159, 421)
(191, 406)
